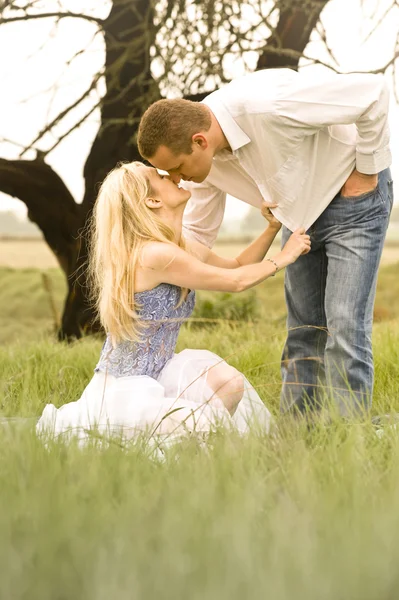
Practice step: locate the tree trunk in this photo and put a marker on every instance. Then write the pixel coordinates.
(296, 22)
(127, 67)
(50, 204)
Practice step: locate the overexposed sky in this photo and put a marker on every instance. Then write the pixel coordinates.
(35, 55)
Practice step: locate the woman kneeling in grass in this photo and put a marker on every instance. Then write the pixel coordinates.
(144, 276)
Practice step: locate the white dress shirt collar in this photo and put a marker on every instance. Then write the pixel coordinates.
(233, 132)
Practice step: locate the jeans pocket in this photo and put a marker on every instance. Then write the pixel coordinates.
(361, 196)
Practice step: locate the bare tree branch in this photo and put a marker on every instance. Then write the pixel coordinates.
(384, 67)
(320, 28)
(8, 141)
(51, 15)
(76, 126)
(380, 21)
(62, 114)
(50, 204)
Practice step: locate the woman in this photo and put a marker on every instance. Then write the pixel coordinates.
(144, 276)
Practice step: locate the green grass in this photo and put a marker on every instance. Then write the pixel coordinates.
(308, 514)
(25, 312)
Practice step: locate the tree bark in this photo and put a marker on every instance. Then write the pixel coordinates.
(296, 22)
(127, 66)
(49, 202)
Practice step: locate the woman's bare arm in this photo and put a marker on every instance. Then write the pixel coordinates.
(167, 263)
(254, 253)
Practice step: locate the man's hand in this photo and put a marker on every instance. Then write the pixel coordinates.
(267, 213)
(358, 184)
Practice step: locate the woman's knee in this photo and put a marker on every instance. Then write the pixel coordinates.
(228, 384)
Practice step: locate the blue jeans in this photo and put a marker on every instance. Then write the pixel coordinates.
(330, 296)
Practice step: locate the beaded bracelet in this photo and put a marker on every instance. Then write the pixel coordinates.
(275, 264)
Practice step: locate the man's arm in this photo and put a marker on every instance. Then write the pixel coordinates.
(307, 104)
(204, 212)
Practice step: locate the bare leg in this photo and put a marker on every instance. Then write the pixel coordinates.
(227, 384)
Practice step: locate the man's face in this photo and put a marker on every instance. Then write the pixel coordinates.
(189, 167)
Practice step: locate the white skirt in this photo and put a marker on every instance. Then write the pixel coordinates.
(179, 403)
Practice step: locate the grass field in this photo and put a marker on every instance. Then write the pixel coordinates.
(308, 514)
(34, 253)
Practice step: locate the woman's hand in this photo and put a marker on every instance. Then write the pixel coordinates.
(298, 243)
(267, 213)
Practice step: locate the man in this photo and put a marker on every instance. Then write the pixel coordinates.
(318, 146)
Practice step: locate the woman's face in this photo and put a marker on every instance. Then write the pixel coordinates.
(163, 188)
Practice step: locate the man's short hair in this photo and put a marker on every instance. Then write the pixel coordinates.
(171, 123)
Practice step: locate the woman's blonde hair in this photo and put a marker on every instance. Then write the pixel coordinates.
(121, 224)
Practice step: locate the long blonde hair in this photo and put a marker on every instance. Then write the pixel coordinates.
(121, 224)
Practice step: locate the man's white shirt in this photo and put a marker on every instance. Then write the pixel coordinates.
(295, 139)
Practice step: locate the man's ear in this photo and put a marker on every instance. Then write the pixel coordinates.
(153, 202)
(200, 140)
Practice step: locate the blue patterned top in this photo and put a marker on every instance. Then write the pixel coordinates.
(157, 342)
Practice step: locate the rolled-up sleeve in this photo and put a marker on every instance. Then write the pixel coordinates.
(204, 212)
(306, 105)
